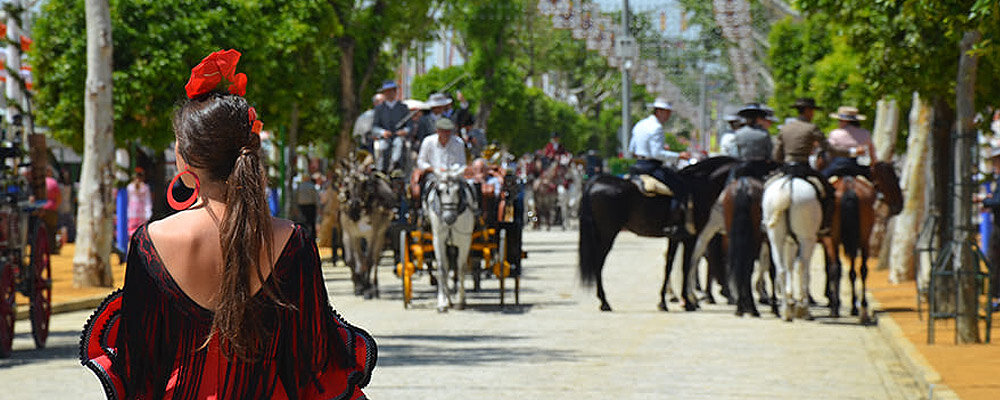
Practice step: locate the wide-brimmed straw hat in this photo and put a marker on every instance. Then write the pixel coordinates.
(847, 113)
(661, 103)
(414, 104)
(438, 100)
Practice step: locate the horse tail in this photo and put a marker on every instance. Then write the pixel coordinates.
(741, 233)
(591, 261)
(782, 202)
(850, 221)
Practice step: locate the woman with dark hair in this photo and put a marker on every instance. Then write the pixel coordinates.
(221, 300)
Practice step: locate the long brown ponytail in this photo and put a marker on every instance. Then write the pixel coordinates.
(214, 133)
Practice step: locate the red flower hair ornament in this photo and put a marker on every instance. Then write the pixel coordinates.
(210, 73)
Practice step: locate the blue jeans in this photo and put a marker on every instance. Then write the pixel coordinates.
(846, 166)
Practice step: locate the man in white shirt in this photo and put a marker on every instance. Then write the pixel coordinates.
(438, 152)
(653, 156)
(441, 151)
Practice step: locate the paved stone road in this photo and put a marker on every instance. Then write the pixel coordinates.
(557, 345)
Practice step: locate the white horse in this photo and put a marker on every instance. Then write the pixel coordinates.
(450, 207)
(792, 217)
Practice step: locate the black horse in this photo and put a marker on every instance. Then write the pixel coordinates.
(610, 204)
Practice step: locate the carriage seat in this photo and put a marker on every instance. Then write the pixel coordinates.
(649, 186)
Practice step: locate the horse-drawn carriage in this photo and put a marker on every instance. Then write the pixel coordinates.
(24, 254)
(484, 231)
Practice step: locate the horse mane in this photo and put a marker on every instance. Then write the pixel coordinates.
(704, 169)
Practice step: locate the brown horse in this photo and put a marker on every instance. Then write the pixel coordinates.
(741, 205)
(853, 220)
(545, 191)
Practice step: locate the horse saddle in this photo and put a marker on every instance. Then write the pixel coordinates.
(649, 186)
(860, 178)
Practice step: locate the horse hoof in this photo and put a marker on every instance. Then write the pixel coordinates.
(442, 310)
(812, 302)
(854, 311)
(710, 300)
(674, 299)
(835, 313)
(690, 307)
(730, 301)
(754, 313)
(739, 313)
(663, 306)
(605, 307)
(764, 301)
(369, 295)
(460, 306)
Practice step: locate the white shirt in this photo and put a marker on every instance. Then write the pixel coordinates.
(728, 144)
(433, 155)
(647, 141)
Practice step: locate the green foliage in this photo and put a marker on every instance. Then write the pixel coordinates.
(155, 46)
(437, 78)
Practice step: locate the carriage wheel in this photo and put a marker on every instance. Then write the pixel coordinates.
(41, 292)
(7, 310)
(404, 267)
(501, 263)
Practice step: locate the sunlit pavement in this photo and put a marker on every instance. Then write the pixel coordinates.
(556, 344)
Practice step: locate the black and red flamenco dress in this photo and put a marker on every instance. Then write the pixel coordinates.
(145, 341)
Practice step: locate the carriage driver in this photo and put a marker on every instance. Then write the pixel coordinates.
(438, 152)
(797, 140)
(654, 157)
(389, 130)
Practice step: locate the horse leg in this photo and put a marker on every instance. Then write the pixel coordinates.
(687, 288)
(854, 292)
(833, 273)
(462, 265)
(667, 267)
(764, 265)
(805, 258)
(865, 318)
(441, 254)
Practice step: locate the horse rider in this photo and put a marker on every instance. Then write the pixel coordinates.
(798, 138)
(363, 125)
(654, 158)
(847, 143)
(753, 142)
(553, 149)
(439, 152)
(727, 140)
(389, 129)
(437, 103)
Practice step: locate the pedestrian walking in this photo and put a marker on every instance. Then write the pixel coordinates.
(50, 211)
(140, 201)
(221, 300)
(307, 199)
(67, 209)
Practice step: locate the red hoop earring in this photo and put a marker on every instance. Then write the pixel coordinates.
(181, 206)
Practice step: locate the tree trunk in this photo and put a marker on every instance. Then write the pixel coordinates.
(97, 185)
(914, 180)
(292, 164)
(884, 138)
(965, 153)
(348, 97)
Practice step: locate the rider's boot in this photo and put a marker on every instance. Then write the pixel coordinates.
(824, 228)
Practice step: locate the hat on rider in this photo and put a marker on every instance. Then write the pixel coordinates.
(438, 100)
(847, 113)
(806, 102)
(388, 85)
(444, 124)
(752, 111)
(661, 103)
(732, 118)
(414, 104)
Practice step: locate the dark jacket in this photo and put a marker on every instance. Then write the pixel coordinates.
(389, 119)
(463, 117)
